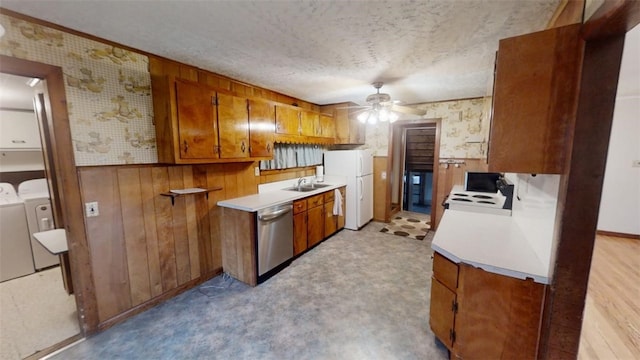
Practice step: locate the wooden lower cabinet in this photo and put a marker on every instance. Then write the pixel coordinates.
(313, 220)
(482, 315)
(315, 225)
(299, 226)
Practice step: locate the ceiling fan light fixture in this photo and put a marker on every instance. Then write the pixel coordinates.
(383, 115)
(363, 116)
(393, 117)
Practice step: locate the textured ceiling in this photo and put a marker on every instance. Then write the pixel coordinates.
(319, 51)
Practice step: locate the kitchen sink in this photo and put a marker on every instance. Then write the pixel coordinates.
(306, 188)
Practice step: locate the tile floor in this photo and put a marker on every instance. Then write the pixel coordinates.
(358, 295)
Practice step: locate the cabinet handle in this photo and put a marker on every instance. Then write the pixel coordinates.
(269, 147)
(18, 142)
(242, 147)
(454, 306)
(186, 146)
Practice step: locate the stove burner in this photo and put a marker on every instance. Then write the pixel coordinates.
(460, 199)
(482, 196)
(460, 194)
(486, 202)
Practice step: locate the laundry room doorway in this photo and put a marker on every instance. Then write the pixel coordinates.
(39, 309)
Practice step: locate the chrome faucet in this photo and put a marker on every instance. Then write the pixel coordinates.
(301, 181)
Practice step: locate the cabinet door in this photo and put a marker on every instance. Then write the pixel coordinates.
(535, 93)
(299, 233)
(327, 126)
(197, 120)
(233, 124)
(309, 123)
(262, 117)
(441, 312)
(330, 220)
(19, 130)
(498, 316)
(315, 225)
(287, 120)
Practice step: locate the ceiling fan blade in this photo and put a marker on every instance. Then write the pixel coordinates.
(408, 110)
(355, 107)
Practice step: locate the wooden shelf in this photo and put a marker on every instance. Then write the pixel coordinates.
(186, 192)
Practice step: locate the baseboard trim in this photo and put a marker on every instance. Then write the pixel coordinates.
(56, 348)
(617, 234)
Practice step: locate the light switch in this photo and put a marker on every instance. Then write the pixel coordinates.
(91, 209)
(383, 175)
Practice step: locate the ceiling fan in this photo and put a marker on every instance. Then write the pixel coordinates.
(381, 108)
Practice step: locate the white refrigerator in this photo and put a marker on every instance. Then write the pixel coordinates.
(357, 166)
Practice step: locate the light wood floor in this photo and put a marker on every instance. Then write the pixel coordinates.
(611, 324)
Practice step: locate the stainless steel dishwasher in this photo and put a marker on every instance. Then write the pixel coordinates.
(275, 238)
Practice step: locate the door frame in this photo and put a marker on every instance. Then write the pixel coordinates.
(395, 129)
(65, 190)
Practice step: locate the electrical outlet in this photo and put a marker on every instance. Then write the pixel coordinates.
(91, 209)
(383, 175)
(256, 171)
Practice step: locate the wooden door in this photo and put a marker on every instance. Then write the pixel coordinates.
(315, 225)
(197, 122)
(233, 124)
(441, 314)
(262, 125)
(309, 123)
(299, 233)
(330, 220)
(287, 120)
(327, 126)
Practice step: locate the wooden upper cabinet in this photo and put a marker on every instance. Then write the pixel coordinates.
(348, 130)
(287, 120)
(196, 120)
(534, 102)
(327, 126)
(262, 115)
(233, 124)
(309, 123)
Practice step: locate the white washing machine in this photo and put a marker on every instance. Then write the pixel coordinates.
(37, 204)
(15, 247)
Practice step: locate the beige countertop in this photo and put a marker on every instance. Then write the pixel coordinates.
(273, 194)
(494, 243)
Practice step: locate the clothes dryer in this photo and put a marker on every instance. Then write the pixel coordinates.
(15, 248)
(37, 204)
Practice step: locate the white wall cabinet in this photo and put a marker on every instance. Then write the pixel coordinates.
(19, 131)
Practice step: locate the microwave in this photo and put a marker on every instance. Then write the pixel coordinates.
(481, 181)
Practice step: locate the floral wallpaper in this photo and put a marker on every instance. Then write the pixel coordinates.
(108, 92)
(464, 131)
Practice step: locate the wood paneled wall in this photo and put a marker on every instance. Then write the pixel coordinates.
(450, 176)
(268, 176)
(380, 188)
(143, 247)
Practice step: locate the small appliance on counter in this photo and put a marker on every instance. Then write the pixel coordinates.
(483, 192)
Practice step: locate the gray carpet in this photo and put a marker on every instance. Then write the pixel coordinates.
(358, 295)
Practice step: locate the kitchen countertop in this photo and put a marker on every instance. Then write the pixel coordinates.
(493, 243)
(272, 194)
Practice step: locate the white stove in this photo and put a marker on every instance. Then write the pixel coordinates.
(474, 201)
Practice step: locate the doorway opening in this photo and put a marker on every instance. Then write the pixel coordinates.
(413, 153)
(39, 312)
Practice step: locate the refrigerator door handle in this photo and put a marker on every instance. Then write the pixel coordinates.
(360, 188)
(361, 165)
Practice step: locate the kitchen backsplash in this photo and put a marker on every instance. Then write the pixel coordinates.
(108, 92)
(465, 124)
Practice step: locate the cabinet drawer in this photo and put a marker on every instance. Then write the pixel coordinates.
(329, 196)
(314, 201)
(299, 206)
(445, 271)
